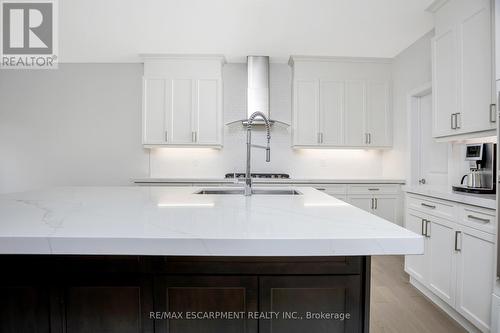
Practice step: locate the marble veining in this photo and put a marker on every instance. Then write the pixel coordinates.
(175, 221)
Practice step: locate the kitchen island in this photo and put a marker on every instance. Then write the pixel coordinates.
(167, 259)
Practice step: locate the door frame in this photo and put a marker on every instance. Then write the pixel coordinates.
(411, 98)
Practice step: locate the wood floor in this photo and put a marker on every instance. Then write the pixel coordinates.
(396, 306)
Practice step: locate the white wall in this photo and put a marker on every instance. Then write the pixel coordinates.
(411, 69)
(78, 125)
(312, 164)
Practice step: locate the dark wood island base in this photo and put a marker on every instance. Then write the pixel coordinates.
(122, 294)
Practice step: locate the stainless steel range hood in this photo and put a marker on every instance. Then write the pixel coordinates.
(258, 86)
(258, 91)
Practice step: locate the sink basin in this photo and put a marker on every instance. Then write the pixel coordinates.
(255, 191)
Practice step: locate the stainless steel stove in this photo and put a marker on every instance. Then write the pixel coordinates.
(241, 175)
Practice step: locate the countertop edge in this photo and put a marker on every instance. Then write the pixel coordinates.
(265, 181)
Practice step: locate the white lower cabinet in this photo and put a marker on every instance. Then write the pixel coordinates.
(475, 276)
(458, 262)
(384, 206)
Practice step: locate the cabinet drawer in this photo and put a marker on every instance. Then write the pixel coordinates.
(332, 189)
(432, 206)
(478, 218)
(373, 189)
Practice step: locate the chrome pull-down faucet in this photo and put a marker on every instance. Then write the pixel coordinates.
(248, 175)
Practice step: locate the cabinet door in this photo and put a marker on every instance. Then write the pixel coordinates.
(154, 116)
(444, 82)
(205, 294)
(180, 109)
(316, 294)
(355, 134)
(442, 271)
(416, 265)
(306, 113)
(331, 112)
(475, 276)
(365, 202)
(103, 304)
(475, 42)
(207, 115)
(386, 208)
(378, 115)
(24, 309)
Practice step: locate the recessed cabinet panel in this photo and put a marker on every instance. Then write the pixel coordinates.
(416, 265)
(306, 113)
(355, 134)
(182, 111)
(445, 83)
(475, 276)
(477, 73)
(207, 122)
(331, 112)
(385, 207)
(441, 237)
(154, 111)
(378, 113)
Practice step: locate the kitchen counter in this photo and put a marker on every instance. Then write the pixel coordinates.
(266, 181)
(446, 193)
(174, 221)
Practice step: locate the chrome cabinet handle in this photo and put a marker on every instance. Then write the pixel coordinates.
(428, 206)
(427, 229)
(321, 189)
(456, 241)
(422, 232)
(366, 138)
(452, 125)
(166, 136)
(373, 204)
(472, 217)
(373, 189)
(193, 139)
(493, 113)
(319, 137)
(376, 203)
(458, 121)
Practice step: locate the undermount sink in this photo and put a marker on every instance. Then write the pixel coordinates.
(255, 191)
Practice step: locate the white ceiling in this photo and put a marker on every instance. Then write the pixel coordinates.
(118, 30)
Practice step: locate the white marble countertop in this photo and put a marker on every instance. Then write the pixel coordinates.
(267, 181)
(446, 193)
(140, 220)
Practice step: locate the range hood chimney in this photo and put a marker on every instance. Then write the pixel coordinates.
(258, 86)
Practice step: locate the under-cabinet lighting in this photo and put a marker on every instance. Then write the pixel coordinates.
(186, 204)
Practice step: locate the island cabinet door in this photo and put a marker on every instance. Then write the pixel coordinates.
(89, 304)
(191, 304)
(318, 304)
(24, 309)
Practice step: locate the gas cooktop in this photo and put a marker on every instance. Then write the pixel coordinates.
(258, 175)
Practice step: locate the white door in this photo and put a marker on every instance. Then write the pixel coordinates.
(155, 119)
(355, 134)
(365, 202)
(207, 115)
(444, 82)
(429, 158)
(180, 106)
(386, 207)
(441, 254)
(331, 114)
(306, 113)
(416, 265)
(475, 44)
(475, 276)
(378, 113)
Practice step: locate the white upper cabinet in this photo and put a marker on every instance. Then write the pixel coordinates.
(182, 101)
(463, 73)
(341, 102)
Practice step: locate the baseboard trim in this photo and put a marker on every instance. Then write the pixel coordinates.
(467, 325)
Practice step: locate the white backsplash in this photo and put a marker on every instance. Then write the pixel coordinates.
(303, 163)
